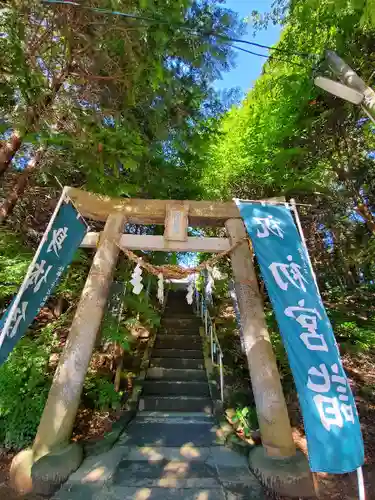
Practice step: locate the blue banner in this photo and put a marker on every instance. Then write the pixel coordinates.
(55, 254)
(330, 416)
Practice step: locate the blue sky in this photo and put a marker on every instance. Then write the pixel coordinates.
(248, 67)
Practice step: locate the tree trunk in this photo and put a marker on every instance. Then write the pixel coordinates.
(364, 211)
(19, 187)
(8, 149)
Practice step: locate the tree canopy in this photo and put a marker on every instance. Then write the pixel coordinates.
(288, 137)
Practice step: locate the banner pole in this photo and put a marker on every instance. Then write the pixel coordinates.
(361, 484)
(30, 269)
(303, 239)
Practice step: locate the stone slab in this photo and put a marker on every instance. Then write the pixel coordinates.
(165, 474)
(77, 492)
(178, 353)
(178, 342)
(131, 493)
(225, 457)
(164, 434)
(176, 403)
(180, 417)
(177, 362)
(160, 453)
(158, 373)
(176, 388)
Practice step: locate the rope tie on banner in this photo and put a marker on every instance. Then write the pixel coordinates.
(177, 272)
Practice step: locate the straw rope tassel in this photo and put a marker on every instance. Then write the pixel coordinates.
(176, 272)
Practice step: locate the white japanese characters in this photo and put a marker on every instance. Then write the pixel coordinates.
(286, 274)
(333, 411)
(328, 384)
(58, 238)
(38, 275)
(269, 226)
(19, 315)
(308, 319)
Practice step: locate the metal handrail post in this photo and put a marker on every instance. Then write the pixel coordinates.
(221, 376)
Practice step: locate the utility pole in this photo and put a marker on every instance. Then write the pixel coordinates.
(350, 78)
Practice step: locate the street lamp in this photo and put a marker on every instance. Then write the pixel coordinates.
(352, 88)
(339, 90)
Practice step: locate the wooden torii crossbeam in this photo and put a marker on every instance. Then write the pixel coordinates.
(144, 211)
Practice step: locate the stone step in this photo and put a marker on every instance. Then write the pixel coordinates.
(177, 342)
(187, 465)
(165, 474)
(158, 493)
(178, 331)
(177, 362)
(130, 471)
(173, 309)
(180, 319)
(161, 453)
(169, 432)
(175, 403)
(175, 388)
(175, 417)
(178, 353)
(187, 321)
(158, 373)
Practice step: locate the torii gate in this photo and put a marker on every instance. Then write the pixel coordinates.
(59, 414)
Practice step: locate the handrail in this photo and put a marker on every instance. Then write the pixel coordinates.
(210, 331)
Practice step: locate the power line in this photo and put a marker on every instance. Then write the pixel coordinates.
(267, 57)
(193, 31)
(250, 51)
(277, 49)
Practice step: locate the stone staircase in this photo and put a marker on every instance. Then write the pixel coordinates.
(176, 380)
(170, 450)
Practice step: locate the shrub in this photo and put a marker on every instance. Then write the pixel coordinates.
(101, 392)
(24, 386)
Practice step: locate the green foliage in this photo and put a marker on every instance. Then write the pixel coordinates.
(115, 332)
(353, 337)
(73, 279)
(141, 307)
(246, 419)
(288, 137)
(100, 392)
(15, 258)
(24, 386)
(132, 106)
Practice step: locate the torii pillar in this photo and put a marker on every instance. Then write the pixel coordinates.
(276, 464)
(270, 403)
(56, 425)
